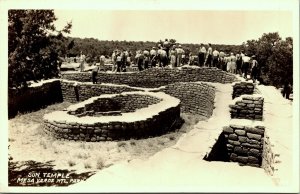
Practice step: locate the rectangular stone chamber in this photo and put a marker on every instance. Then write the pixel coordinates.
(242, 144)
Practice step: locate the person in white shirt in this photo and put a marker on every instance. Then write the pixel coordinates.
(82, 60)
(153, 56)
(201, 55)
(232, 63)
(215, 58)
(208, 60)
(245, 65)
(179, 53)
(146, 59)
(114, 60)
(173, 57)
(159, 57)
(222, 63)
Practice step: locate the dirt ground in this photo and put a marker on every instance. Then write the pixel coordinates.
(28, 142)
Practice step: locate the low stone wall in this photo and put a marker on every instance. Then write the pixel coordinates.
(119, 103)
(245, 144)
(156, 77)
(270, 159)
(247, 107)
(34, 97)
(153, 120)
(241, 88)
(73, 91)
(196, 98)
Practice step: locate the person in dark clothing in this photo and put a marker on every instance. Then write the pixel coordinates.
(94, 74)
(287, 89)
(254, 69)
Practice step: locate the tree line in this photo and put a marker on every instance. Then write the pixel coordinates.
(37, 49)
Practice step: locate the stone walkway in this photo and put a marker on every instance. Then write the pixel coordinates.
(181, 168)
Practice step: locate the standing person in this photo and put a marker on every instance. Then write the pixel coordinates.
(128, 59)
(119, 62)
(179, 53)
(159, 57)
(201, 55)
(82, 61)
(164, 58)
(140, 60)
(233, 63)
(146, 59)
(254, 69)
(239, 62)
(287, 89)
(102, 62)
(94, 73)
(208, 56)
(166, 46)
(245, 65)
(114, 60)
(173, 58)
(221, 61)
(153, 57)
(215, 58)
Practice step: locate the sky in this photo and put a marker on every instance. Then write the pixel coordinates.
(186, 26)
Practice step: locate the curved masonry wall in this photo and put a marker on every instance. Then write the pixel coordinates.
(153, 120)
(115, 105)
(73, 91)
(156, 77)
(196, 98)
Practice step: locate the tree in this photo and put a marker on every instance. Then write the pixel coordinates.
(34, 46)
(280, 63)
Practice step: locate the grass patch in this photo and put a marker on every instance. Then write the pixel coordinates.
(87, 165)
(71, 163)
(100, 163)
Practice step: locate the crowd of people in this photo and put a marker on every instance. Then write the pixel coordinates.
(173, 55)
(165, 54)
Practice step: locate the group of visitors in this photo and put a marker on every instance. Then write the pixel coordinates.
(173, 55)
(238, 63)
(160, 57)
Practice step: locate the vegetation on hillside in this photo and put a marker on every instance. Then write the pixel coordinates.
(36, 49)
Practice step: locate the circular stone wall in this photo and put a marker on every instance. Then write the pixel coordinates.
(152, 114)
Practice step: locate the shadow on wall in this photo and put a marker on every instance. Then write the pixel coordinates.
(33, 98)
(219, 151)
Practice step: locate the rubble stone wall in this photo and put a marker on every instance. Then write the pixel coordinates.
(245, 144)
(196, 98)
(247, 107)
(241, 88)
(269, 158)
(33, 98)
(156, 77)
(153, 122)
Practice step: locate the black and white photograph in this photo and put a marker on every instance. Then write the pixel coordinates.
(149, 96)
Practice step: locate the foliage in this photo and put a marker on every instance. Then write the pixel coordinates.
(34, 46)
(274, 56)
(93, 48)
